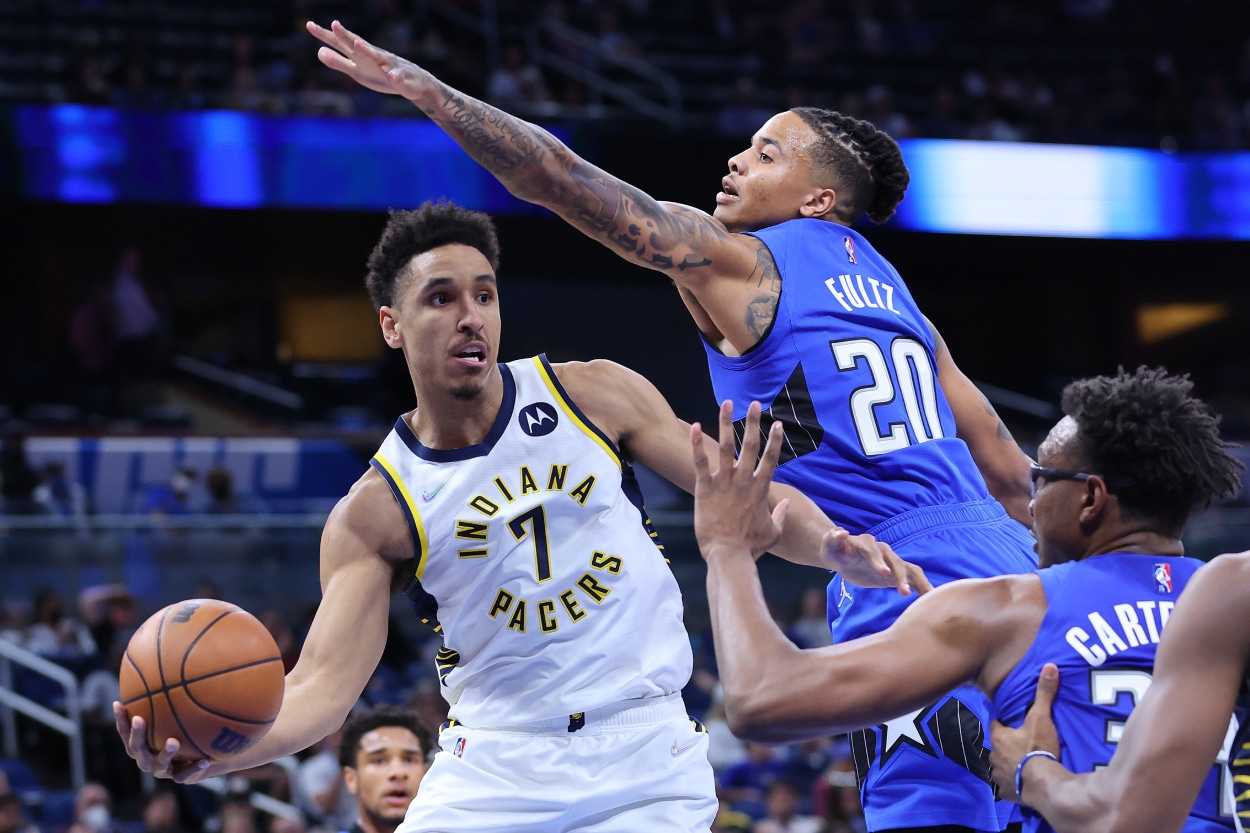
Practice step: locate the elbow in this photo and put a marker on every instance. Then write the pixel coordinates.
(751, 717)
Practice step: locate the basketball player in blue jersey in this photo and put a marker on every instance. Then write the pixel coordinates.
(506, 503)
(1163, 758)
(1117, 479)
(800, 313)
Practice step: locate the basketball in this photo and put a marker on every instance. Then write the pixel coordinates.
(205, 672)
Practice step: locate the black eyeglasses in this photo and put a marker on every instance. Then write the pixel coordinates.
(1036, 472)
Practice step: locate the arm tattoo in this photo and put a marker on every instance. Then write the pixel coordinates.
(1003, 433)
(538, 168)
(765, 273)
(760, 314)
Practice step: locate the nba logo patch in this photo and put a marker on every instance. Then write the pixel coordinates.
(1163, 578)
(850, 250)
(459, 750)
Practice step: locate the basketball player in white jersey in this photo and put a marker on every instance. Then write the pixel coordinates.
(508, 499)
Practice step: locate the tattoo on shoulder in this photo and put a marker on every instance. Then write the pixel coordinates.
(760, 314)
(765, 274)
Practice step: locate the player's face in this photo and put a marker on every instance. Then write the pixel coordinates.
(390, 764)
(771, 181)
(1056, 505)
(447, 321)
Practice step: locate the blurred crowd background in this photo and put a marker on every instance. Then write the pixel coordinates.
(185, 390)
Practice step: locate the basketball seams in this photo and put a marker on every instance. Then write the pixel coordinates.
(182, 670)
(147, 694)
(201, 678)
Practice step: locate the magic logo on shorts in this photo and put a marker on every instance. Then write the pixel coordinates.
(458, 751)
(1163, 578)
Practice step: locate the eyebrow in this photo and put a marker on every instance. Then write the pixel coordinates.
(434, 283)
(769, 140)
(375, 750)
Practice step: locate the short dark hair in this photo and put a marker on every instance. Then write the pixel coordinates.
(1157, 445)
(863, 161)
(410, 233)
(361, 723)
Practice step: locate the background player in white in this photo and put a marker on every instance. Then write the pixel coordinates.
(630, 760)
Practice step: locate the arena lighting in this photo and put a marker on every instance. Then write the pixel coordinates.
(71, 153)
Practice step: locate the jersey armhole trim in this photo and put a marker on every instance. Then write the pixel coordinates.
(409, 507)
(570, 408)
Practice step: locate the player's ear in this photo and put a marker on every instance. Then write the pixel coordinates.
(1095, 499)
(820, 204)
(389, 321)
(350, 779)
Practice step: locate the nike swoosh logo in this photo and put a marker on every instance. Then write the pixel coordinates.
(677, 750)
(428, 494)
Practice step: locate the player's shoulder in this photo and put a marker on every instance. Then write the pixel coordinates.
(1226, 575)
(598, 380)
(370, 514)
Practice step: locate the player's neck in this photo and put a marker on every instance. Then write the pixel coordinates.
(1144, 541)
(444, 420)
(369, 823)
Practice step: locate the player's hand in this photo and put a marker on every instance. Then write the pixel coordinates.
(162, 764)
(731, 503)
(1037, 732)
(368, 65)
(864, 561)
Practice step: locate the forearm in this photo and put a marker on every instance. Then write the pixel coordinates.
(1086, 803)
(805, 527)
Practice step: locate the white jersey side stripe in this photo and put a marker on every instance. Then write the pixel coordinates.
(573, 413)
(409, 507)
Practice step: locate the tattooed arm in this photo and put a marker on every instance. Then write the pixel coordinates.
(1001, 462)
(730, 277)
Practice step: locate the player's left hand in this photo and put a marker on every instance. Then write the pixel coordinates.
(864, 561)
(1037, 732)
(366, 64)
(731, 503)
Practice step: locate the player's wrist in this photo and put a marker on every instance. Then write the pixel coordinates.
(1036, 753)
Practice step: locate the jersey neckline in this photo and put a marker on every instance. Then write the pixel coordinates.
(452, 455)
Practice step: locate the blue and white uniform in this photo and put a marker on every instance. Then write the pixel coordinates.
(564, 648)
(848, 367)
(1104, 617)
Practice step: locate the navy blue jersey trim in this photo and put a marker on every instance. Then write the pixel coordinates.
(417, 549)
(452, 455)
(568, 400)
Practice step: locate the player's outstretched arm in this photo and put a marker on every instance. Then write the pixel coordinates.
(1172, 736)
(1001, 462)
(775, 692)
(688, 245)
(634, 411)
(364, 537)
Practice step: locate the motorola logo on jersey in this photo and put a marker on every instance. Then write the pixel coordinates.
(538, 419)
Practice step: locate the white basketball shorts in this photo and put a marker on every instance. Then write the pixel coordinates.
(635, 767)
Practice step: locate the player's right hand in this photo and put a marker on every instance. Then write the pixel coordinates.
(864, 561)
(162, 765)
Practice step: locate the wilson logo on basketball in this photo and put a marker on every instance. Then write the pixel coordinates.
(538, 419)
(228, 741)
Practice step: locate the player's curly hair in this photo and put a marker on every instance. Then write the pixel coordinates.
(1158, 446)
(864, 161)
(410, 233)
(361, 723)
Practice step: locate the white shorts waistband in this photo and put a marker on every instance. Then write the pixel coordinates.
(616, 715)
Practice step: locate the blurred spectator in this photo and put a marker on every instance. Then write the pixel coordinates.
(835, 797)
(613, 39)
(13, 814)
(172, 498)
(91, 338)
(942, 121)
(109, 611)
(744, 113)
(881, 112)
(53, 632)
(724, 749)
(332, 804)
(783, 816)
(160, 812)
(101, 687)
(93, 809)
(747, 782)
(222, 497)
(810, 628)
(136, 322)
(288, 645)
(18, 479)
(58, 495)
(517, 84)
(237, 814)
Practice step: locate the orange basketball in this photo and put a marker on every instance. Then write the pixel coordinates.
(205, 672)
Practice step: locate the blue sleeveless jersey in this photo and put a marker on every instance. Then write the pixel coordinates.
(1103, 620)
(848, 368)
